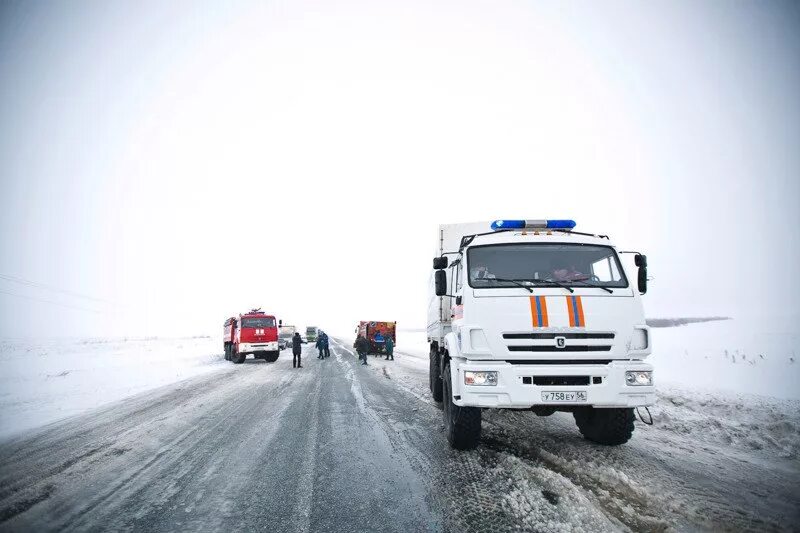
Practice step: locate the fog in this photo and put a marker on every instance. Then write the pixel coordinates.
(164, 165)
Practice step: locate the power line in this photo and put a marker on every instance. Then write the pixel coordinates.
(50, 302)
(34, 284)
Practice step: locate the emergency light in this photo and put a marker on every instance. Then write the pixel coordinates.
(498, 225)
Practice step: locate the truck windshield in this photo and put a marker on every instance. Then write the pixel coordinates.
(565, 264)
(258, 322)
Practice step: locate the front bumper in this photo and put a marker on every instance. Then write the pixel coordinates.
(245, 347)
(514, 391)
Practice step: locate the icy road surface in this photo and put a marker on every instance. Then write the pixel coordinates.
(340, 447)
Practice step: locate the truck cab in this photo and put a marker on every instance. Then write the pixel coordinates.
(311, 334)
(256, 334)
(540, 318)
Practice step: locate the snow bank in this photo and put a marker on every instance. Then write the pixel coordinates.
(45, 380)
(743, 421)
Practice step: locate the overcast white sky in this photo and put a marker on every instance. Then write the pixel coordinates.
(184, 161)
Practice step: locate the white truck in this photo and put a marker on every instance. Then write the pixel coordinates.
(530, 314)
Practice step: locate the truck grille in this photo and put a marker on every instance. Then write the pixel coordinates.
(558, 342)
(558, 361)
(554, 335)
(555, 380)
(570, 348)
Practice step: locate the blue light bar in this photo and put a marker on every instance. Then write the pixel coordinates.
(532, 224)
(507, 224)
(560, 224)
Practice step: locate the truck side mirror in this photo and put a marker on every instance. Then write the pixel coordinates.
(280, 322)
(641, 262)
(440, 280)
(439, 263)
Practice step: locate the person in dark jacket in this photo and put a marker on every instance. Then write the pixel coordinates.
(389, 348)
(297, 349)
(362, 347)
(326, 348)
(319, 345)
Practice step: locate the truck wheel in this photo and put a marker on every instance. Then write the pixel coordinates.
(610, 427)
(462, 424)
(271, 357)
(238, 358)
(434, 378)
(227, 353)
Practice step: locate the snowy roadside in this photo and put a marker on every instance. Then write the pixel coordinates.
(44, 381)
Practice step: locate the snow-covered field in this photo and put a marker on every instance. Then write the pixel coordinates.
(45, 380)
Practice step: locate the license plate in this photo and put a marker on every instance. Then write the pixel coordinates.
(566, 396)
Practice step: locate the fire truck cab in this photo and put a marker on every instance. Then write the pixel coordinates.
(254, 332)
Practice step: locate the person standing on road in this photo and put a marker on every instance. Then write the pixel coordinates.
(326, 348)
(297, 349)
(362, 347)
(389, 348)
(319, 346)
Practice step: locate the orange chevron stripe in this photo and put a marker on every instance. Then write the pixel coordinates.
(534, 315)
(543, 305)
(581, 321)
(570, 312)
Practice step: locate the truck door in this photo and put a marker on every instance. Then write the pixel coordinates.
(456, 308)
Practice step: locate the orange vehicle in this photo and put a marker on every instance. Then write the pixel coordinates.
(376, 334)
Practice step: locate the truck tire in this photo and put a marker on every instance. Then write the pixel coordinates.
(227, 353)
(610, 427)
(238, 358)
(434, 378)
(271, 357)
(462, 424)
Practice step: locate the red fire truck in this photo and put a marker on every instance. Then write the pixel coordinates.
(376, 334)
(254, 332)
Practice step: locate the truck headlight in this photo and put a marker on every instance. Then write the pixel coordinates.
(483, 378)
(639, 340)
(638, 378)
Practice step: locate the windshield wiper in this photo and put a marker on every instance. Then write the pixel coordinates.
(503, 280)
(553, 282)
(588, 283)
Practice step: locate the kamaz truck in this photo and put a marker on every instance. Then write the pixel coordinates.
(254, 332)
(533, 315)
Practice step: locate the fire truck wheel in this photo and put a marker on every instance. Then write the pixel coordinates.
(238, 358)
(271, 357)
(462, 424)
(611, 427)
(227, 355)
